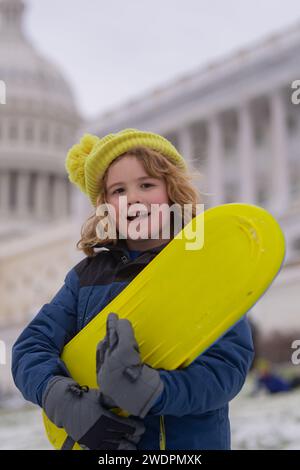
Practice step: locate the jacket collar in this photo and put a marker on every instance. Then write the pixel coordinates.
(120, 249)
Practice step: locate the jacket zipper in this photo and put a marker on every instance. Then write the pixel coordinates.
(162, 433)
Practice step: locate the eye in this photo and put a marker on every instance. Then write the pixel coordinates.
(117, 190)
(121, 189)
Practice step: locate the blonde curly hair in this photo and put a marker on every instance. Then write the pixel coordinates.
(179, 184)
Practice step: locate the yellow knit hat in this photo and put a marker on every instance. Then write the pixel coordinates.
(87, 161)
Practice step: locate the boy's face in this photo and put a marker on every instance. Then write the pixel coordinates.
(127, 177)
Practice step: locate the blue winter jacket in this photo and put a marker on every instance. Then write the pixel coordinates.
(194, 402)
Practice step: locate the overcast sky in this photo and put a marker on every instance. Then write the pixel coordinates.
(114, 50)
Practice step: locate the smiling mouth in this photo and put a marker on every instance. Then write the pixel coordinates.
(138, 215)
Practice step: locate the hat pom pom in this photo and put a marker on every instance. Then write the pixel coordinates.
(76, 158)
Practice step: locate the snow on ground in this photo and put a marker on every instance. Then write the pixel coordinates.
(22, 430)
(261, 422)
(266, 422)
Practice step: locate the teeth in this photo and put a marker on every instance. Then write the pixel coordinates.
(138, 214)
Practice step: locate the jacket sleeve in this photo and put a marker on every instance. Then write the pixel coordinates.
(36, 353)
(212, 380)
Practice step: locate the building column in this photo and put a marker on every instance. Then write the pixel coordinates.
(23, 185)
(279, 170)
(185, 143)
(41, 197)
(246, 155)
(60, 198)
(4, 192)
(215, 171)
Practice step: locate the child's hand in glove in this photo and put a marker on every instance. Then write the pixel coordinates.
(122, 377)
(80, 412)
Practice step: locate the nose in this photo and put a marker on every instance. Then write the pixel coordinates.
(137, 201)
(132, 200)
(133, 197)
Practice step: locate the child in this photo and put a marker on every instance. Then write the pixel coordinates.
(189, 405)
(270, 381)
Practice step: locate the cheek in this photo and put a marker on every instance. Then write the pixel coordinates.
(113, 209)
(160, 196)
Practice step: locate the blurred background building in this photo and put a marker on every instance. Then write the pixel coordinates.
(234, 120)
(38, 124)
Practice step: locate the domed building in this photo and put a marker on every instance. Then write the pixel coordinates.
(38, 124)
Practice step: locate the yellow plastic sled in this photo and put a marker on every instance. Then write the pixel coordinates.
(186, 299)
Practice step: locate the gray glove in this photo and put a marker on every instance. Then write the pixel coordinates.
(122, 377)
(80, 411)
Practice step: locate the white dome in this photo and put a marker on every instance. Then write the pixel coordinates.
(38, 124)
(22, 67)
